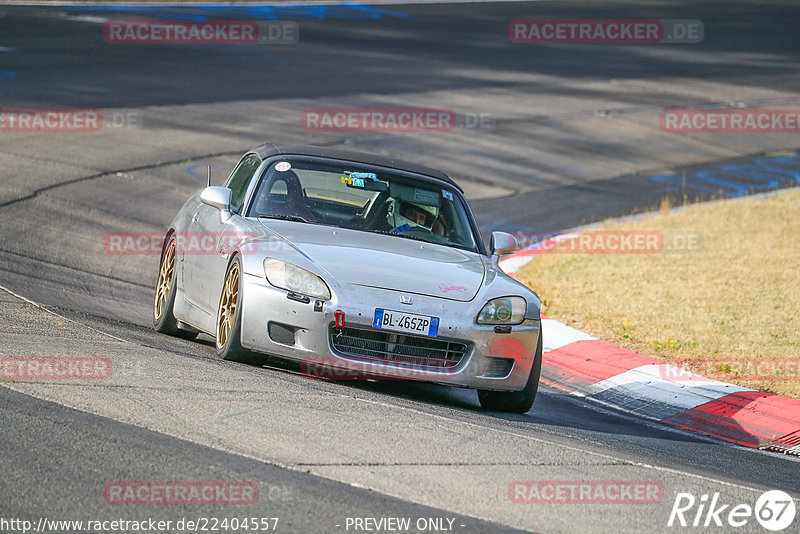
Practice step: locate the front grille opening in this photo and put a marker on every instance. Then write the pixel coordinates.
(398, 348)
(280, 333)
(499, 368)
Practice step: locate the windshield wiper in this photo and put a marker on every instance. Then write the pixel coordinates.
(295, 218)
(445, 243)
(415, 238)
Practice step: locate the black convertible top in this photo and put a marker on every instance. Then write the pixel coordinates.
(270, 149)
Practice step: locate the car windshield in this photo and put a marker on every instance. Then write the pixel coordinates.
(363, 198)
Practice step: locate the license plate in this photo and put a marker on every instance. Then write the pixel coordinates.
(410, 323)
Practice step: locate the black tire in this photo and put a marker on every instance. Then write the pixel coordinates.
(516, 401)
(164, 302)
(229, 344)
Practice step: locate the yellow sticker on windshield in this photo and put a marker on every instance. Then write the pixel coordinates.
(355, 182)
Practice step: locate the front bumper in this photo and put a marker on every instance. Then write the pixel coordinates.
(492, 361)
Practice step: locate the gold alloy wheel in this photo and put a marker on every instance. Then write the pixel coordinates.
(164, 280)
(227, 306)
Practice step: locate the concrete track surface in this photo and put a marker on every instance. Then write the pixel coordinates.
(570, 135)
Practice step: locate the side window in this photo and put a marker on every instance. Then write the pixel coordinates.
(240, 179)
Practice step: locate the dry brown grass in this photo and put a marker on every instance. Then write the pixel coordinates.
(728, 311)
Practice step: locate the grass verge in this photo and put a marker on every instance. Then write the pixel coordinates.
(726, 306)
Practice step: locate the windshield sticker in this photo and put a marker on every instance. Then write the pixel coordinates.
(283, 166)
(364, 176)
(356, 179)
(447, 194)
(352, 181)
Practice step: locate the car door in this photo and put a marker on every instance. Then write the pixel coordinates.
(208, 264)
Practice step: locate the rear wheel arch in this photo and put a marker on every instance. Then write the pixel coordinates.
(164, 320)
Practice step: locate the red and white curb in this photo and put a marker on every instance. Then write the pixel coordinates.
(581, 365)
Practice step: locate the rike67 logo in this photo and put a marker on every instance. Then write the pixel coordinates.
(774, 510)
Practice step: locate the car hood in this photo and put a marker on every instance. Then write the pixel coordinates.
(383, 261)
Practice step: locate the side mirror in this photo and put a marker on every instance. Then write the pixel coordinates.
(502, 243)
(217, 197)
(220, 198)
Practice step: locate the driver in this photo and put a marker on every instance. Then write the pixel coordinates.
(410, 215)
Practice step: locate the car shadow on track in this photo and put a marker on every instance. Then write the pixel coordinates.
(552, 409)
(554, 413)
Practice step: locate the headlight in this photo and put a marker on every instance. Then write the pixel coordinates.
(504, 310)
(293, 278)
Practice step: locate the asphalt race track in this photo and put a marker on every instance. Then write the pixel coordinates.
(549, 136)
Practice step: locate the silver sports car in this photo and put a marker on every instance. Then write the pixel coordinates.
(355, 266)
